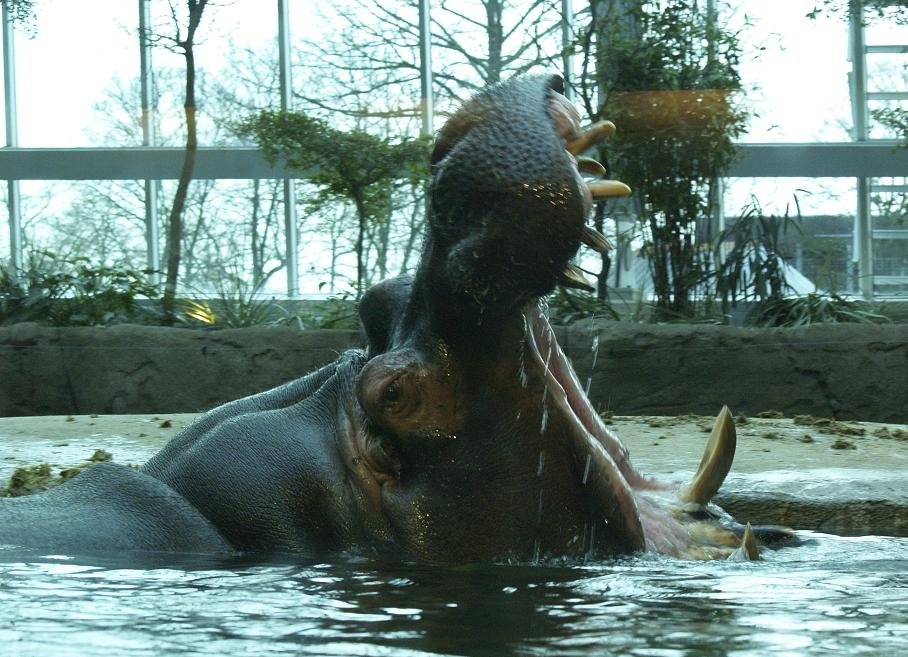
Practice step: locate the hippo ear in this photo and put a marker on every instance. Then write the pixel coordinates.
(381, 310)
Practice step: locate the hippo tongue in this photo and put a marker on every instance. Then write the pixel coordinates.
(607, 472)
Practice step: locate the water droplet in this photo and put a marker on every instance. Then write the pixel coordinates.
(522, 372)
(545, 418)
(541, 464)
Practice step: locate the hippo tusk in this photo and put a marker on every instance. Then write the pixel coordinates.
(595, 133)
(590, 166)
(572, 276)
(716, 461)
(748, 551)
(601, 189)
(595, 240)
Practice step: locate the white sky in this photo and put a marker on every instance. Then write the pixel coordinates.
(798, 82)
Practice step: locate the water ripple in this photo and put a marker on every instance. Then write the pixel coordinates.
(833, 595)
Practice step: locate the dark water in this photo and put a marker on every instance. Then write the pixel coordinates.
(833, 596)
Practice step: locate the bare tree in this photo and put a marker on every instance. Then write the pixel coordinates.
(374, 63)
(185, 42)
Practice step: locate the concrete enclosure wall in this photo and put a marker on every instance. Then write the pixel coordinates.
(844, 371)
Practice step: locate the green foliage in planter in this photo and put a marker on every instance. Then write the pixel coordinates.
(72, 292)
(668, 75)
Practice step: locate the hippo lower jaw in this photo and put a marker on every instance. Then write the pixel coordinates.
(641, 514)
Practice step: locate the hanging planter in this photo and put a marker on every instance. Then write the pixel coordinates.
(674, 112)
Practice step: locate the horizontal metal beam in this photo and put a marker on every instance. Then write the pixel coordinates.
(890, 234)
(139, 163)
(887, 95)
(881, 49)
(845, 159)
(890, 189)
(868, 159)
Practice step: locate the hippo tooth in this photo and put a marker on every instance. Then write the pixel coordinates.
(716, 461)
(572, 276)
(592, 135)
(748, 550)
(595, 240)
(590, 166)
(601, 189)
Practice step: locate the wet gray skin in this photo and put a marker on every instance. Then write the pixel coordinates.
(458, 435)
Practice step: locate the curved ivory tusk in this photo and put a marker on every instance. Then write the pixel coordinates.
(716, 461)
(590, 166)
(748, 550)
(594, 134)
(595, 240)
(572, 276)
(601, 189)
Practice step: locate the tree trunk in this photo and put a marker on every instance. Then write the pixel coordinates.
(175, 226)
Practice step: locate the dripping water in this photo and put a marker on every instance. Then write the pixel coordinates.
(586, 468)
(522, 371)
(589, 379)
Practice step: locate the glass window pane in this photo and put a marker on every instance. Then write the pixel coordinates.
(795, 70)
(101, 220)
(822, 250)
(72, 65)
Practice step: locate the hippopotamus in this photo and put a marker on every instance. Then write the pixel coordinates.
(459, 433)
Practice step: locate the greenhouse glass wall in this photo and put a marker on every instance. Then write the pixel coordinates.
(96, 136)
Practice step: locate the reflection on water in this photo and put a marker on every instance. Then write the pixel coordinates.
(831, 596)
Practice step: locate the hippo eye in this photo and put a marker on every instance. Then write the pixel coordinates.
(400, 397)
(392, 393)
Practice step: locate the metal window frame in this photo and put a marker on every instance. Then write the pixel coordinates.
(860, 159)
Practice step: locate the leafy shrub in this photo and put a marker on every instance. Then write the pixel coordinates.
(72, 292)
(813, 308)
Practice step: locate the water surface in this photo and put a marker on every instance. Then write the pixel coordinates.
(831, 596)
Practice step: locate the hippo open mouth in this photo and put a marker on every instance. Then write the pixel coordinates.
(460, 434)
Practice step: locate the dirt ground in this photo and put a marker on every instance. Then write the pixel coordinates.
(847, 477)
(659, 445)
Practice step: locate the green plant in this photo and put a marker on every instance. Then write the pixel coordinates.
(894, 10)
(72, 292)
(813, 308)
(566, 306)
(668, 75)
(353, 166)
(237, 304)
(749, 253)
